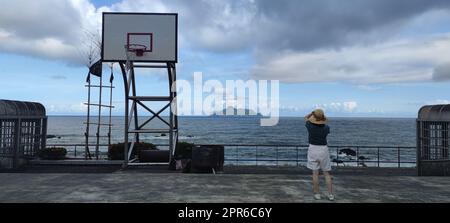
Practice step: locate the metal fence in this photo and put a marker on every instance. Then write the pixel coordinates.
(377, 156)
(433, 140)
(295, 155)
(22, 137)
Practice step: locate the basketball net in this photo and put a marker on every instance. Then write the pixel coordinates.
(130, 58)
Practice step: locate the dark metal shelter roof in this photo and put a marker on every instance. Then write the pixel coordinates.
(436, 113)
(20, 108)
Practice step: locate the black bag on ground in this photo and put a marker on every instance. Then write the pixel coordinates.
(207, 158)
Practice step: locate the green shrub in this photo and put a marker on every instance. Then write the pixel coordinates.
(116, 151)
(54, 153)
(184, 150)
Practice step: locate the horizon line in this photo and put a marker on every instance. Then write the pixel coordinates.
(234, 116)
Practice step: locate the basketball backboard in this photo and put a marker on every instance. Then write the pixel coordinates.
(145, 37)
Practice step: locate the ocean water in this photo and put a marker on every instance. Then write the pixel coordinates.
(241, 130)
(345, 132)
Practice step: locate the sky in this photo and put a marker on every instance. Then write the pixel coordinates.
(354, 58)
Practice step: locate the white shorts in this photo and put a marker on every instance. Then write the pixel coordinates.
(318, 158)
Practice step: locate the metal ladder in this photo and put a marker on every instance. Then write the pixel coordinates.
(98, 123)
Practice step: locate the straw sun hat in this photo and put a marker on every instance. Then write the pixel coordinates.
(318, 117)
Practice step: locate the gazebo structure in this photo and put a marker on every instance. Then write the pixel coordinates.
(433, 157)
(23, 131)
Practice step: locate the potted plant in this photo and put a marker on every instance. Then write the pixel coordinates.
(116, 151)
(53, 153)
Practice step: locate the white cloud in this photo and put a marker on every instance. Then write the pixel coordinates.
(51, 29)
(442, 72)
(56, 29)
(290, 108)
(66, 108)
(335, 107)
(327, 48)
(404, 60)
(438, 102)
(368, 87)
(349, 106)
(139, 6)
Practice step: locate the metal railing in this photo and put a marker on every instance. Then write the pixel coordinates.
(294, 155)
(377, 156)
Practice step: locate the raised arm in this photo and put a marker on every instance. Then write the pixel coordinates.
(307, 116)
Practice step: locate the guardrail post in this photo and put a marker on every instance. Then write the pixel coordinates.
(277, 155)
(256, 150)
(357, 156)
(237, 155)
(378, 156)
(337, 156)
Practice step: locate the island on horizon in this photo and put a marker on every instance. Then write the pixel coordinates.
(236, 112)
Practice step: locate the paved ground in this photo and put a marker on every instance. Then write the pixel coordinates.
(234, 186)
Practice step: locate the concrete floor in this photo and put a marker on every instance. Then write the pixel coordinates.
(144, 186)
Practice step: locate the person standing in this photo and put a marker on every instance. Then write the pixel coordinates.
(318, 153)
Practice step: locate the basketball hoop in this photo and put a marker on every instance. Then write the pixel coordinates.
(138, 49)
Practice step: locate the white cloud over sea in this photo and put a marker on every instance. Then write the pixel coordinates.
(406, 60)
(357, 42)
(347, 106)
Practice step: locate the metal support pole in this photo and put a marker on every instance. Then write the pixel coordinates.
(136, 121)
(130, 86)
(173, 122)
(124, 74)
(87, 154)
(171, 118)
(97, 142)
(110, 104)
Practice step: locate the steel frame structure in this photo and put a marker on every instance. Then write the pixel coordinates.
(135, 59)
(131, 112)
